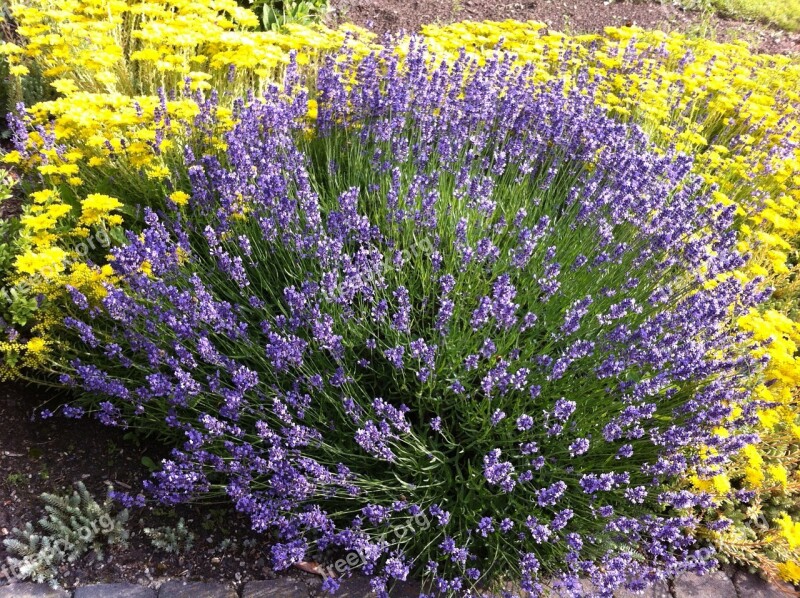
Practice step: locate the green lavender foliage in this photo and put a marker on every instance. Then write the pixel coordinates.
(74, 524)
(15, 307)
(171, 539)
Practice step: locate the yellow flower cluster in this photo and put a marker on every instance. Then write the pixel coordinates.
(45, 225)
(97, 208)
(52, 257)
(108, 61)
(18, 355)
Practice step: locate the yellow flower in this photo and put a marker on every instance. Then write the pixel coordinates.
(18, 70)
(47, 262)
(701, 484)
(721, 483)
(754, 476)
(36, 345)
(40, 222)
(13, 157)
(179, 198)
(43, 196)
(790, 530)
(753, 456)
(778, 473)
(789, 571)
(97, 206)
(65, 86)
(769, 418)
(158, 172)
(312, 109)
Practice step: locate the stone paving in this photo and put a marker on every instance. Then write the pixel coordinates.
(729, 584)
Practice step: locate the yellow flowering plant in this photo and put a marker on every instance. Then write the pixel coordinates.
(52, 256)
(123, 80)
(117, 65)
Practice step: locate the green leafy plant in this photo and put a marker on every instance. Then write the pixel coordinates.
(15, 479)
(275, 14)
(171, 539)
(20, 306)
(783, 14)
(73, 525)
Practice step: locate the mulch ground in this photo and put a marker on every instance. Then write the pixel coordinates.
(50, 456)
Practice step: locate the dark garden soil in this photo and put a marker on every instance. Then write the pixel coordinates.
(52, 455)
(571, 16)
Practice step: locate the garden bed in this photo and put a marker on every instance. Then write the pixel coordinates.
(53, 454)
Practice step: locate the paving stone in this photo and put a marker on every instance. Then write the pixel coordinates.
(511, 589)
(31, 590)
(658, 590)
(752, 586)
(405, 589)
(275, 588)
(195, 589)
(355, 587)
(117, 590)
(712, 585)
(586, 587)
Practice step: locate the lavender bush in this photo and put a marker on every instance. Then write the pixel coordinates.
(464, 299)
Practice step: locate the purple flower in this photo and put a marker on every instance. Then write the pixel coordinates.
(564, 409)
(330, 585)
(549, 496)
(524, 422)
(485, 526)
(401, 320)
(497, 472)
(395, 356)
(373, 438)
(396, 568)
(578, 447)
